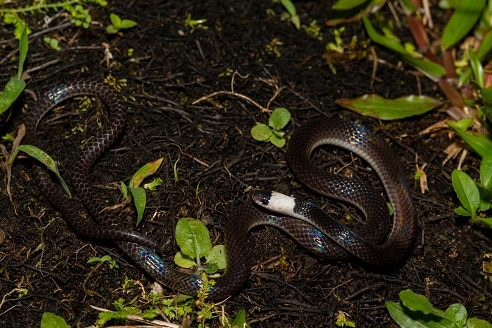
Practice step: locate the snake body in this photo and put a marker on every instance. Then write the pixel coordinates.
(305, 222)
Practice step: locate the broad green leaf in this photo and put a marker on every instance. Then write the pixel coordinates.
(127, 23)
(486, 94)
(261, 132)
(480, 143)
(463, 19)
(183, 261)
(47, 161)
(390, 109)
(478, 323)
(432, 70)
(10, 93)
(477, 68)
(417, 302)
(457, 313)
(217, 256)
(486, 172)
(466, 190)
(485, 205)
(51, 320)
(23, 47)
(145, 171)
(193, 238)
(140, 200)
(280, 118)
(399, 314)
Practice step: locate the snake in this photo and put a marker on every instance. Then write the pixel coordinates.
(379, 242)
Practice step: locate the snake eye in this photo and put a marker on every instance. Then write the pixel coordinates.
(261, 197)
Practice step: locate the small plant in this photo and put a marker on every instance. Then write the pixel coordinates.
(475, 197)
(417, 311)
(194, 24)
(16, 84)
(291, 13)
(118, 24)
(194, 243)
(51, 320)
(104, 259)
(273, 132)
(138, 193)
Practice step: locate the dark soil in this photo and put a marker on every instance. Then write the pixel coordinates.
(169, 69)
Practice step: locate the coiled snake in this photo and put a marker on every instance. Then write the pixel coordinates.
(310, 226)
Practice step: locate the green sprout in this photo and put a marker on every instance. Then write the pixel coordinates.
(273, 132)
(118, 24)
(194, 24)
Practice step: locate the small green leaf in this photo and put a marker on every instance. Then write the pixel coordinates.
(217, 256)
(10, 93)
(183, 261)
(457, 314)
(240, 320)
(115, 20)
(261, 132)
(211, 268)
(124, 190)
(376, 106)
(486, 221)
(193, 238)
(127, 23)
(465, 16)
(51, 320)
(477, 68)
(145, 171)
(277, 141)
(486, 172)
(111, 29)
(23, 48)
(140, 200)
(461, 211)
(47, 161)
(466, 190)
(478, 323)
(399, 314)
(280, 118)
(289, 6)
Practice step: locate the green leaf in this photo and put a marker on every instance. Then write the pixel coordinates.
(140, 200)
(478, 323)
(486, 221)
(399, 314)
(457, 313)
(217, 256)
(486, 94)
(432, 70)
(115, 20)
(289, 6)
(47, 161)
(127, 23)
(465, 16)
(277, 141)
(23, 47)
(466, 190)
(111, 29)
(390, 109)
(417, 302)
(51, 320)
(193, 238)
(183, 261)
(480, 143)
(348, 4)
(261, 132)
(461, 211)
(145, 171)
(477, 68)
(240, 320)
(486, 172)
(280, 118)
(10, 93)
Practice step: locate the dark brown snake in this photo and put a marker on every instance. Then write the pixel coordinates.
(311, 227)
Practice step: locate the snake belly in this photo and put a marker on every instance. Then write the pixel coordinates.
(370, 246)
